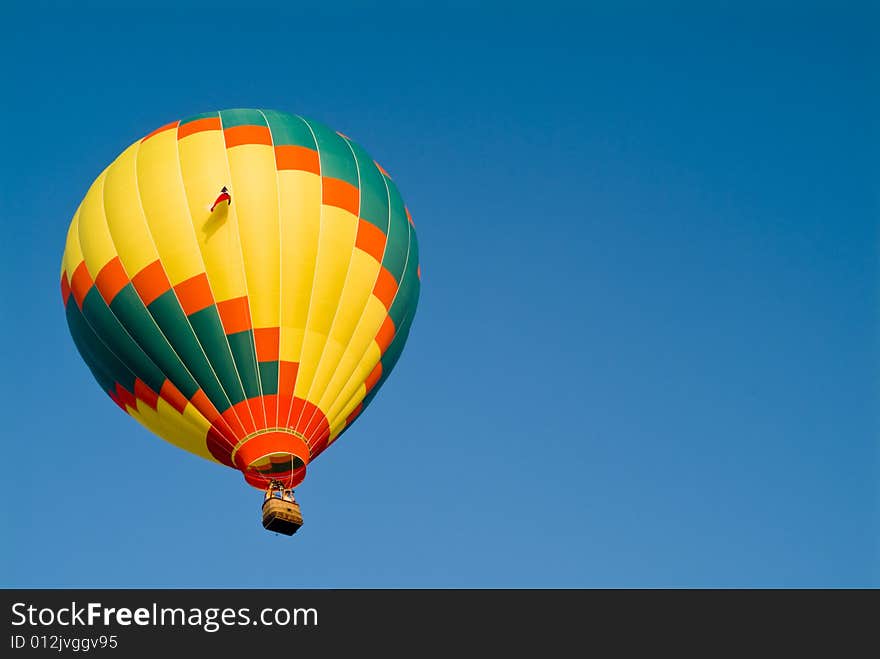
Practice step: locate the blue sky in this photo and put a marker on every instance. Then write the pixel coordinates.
(646, 346)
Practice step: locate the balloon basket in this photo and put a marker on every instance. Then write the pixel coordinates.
(281, 516)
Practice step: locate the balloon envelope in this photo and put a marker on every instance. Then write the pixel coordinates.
(242, 282)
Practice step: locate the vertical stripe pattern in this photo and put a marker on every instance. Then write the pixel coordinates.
(255, 333)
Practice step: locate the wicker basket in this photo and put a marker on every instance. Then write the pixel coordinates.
(281, 516)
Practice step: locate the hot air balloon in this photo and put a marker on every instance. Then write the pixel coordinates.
(242, 282)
